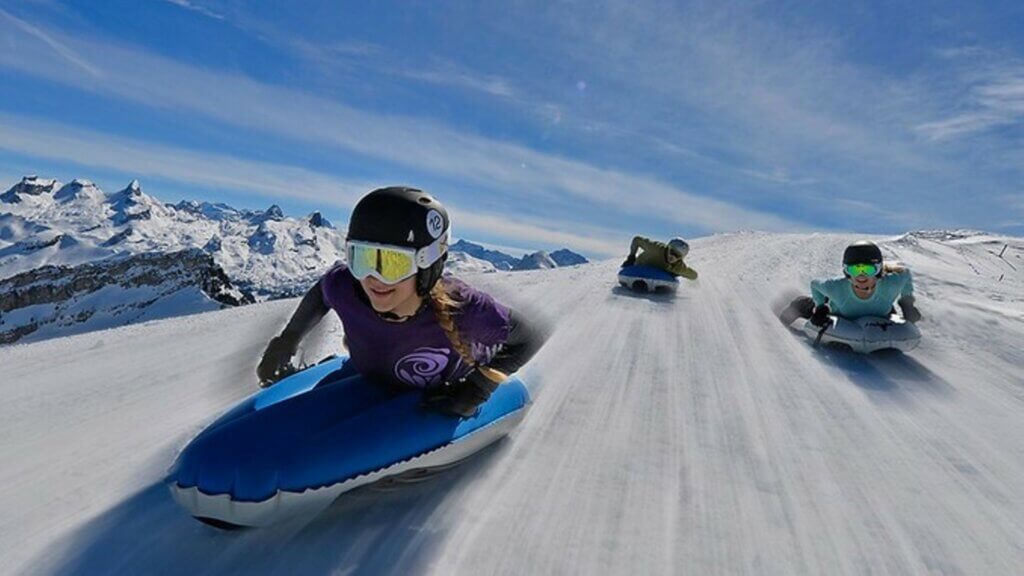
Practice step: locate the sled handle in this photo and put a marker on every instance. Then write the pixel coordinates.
(823, 329)
(822, 333)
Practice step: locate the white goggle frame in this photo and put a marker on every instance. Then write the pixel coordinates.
(421, 259)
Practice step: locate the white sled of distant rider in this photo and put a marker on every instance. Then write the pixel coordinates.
(866, 334)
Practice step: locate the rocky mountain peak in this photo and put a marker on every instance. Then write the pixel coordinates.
(29, 186)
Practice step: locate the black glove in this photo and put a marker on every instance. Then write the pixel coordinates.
(277, 360)
(820, 315)
(462, 397)
(910, 312)
(630, 260)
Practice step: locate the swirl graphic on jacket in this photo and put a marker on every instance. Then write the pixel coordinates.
(423, 367)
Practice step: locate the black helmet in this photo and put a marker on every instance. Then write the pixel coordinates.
(863, 252)
(405, 217)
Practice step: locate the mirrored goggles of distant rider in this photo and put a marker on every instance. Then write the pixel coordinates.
(390, 264)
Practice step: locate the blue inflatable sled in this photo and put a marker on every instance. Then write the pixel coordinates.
(293, 448)
(647, 279)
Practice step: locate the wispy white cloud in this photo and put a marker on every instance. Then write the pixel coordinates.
(594, 240)
(961, 124)
(993, 95)
(448, 74)
(327, 57)
(778, 175)
(92, 149)
(332, 56)
(59, 48)
(195, 7)
(424, 145)
(791, 104)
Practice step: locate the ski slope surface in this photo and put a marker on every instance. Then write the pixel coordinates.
(669, 434)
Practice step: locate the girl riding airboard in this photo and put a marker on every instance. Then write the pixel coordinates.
(398, 312)
(426, 384)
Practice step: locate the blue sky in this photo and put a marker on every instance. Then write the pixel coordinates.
(540, 124)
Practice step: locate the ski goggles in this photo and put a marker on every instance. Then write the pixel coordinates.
(854, 270)
(391, 264)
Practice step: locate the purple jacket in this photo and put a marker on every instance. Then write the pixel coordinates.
(415, 352)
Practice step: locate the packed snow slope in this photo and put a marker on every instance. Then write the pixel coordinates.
(690, 434)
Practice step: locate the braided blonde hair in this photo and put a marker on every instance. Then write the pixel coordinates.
(445, 306)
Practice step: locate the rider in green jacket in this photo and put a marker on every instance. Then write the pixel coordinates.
(665, 256)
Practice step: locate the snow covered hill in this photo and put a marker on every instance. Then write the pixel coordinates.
(690, 434)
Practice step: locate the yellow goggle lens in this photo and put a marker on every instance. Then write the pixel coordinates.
(395, 266)
(390, 266)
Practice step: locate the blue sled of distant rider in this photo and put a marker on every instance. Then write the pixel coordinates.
(647, 279)
(293, 448)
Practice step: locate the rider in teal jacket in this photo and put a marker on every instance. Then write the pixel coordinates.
(839, 294)
(869, 288)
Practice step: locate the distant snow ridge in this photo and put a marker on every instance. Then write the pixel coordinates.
(62, 300)
(500, 260)
(263, 252)
(461, 263)
(78, 189)
(566, 257)
(28, 187)
(536, 261)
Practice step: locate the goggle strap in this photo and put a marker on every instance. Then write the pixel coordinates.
(426, 256)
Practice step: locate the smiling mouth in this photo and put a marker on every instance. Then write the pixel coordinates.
(382, 292)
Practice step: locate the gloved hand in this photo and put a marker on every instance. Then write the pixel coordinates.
(462, 397)
(910, 312)
(820, 315)
(277, 360)
(630, 260)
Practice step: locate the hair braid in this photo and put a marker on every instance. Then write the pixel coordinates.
(444, 308)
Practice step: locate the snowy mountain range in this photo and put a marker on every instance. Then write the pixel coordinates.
(536, 261)
(263, 252)
(55, 235)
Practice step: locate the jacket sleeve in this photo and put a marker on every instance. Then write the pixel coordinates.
(310, 311)
(638, 242)
(525, 338)
(687, 272)
(648, 245)
(819, 292)
(908, 286)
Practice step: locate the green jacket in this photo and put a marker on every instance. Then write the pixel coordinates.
(655, 255)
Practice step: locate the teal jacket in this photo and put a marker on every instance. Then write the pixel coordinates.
(843, 302)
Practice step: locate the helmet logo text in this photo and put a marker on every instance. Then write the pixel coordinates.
(435, 223)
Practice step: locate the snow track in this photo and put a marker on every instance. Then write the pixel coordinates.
(669, 434)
